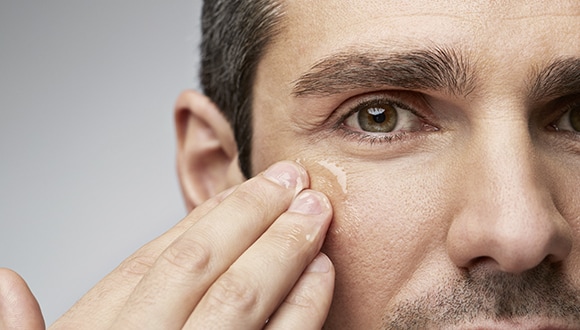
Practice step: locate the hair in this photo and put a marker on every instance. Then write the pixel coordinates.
(235, 34)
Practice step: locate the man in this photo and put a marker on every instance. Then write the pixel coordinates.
(441, 137)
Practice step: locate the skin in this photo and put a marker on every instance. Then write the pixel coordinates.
(470, 219)
(491, 190)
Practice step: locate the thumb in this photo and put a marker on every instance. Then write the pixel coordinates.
(18, 307)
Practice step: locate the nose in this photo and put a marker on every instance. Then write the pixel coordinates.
(507, 216)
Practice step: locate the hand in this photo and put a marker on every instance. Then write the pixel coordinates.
(246, 259)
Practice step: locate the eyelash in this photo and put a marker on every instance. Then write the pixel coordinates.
(371, 139)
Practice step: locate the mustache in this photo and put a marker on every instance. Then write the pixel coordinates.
(484, 294)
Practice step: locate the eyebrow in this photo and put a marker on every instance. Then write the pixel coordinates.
(560, 78)
(442, 69)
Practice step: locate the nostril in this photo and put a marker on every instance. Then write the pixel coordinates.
(483, 261)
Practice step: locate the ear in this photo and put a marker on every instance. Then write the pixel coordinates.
(207, 157)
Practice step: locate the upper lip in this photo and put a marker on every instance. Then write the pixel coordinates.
(526, 323)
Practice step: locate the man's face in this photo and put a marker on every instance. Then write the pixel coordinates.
(447, 137)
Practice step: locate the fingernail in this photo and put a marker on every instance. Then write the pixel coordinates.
(286, 175)
(320, 264)
(307, 203)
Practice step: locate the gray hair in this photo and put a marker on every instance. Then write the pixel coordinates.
(235, 34)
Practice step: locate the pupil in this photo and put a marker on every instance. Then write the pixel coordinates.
(378, 114)
(379, 118)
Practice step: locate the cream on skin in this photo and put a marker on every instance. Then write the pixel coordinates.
(483, 184)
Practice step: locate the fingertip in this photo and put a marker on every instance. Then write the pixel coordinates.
(311, 202)
(289, 175)
(320, 264)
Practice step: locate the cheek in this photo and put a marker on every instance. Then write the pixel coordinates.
(390, 221)
(386, 224)
(563, 177)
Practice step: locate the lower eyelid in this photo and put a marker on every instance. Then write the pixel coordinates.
(371, 138)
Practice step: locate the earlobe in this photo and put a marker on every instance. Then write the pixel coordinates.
(207, 158)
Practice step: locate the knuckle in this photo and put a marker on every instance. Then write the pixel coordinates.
(234, 294)
(137, 265)
(188, 256)
(8, 280)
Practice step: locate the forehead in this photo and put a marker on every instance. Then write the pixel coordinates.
(336, 21)
(490, 31)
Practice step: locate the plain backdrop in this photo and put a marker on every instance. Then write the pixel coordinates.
(87, 151)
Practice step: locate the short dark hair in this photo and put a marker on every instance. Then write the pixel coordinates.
(235, 34)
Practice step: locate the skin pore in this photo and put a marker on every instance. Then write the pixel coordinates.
(467, 214)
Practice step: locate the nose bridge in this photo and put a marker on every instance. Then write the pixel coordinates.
(505, 183)
(507, 214)
(504, 162)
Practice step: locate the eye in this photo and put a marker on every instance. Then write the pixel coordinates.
(382, 116)
(570, 120)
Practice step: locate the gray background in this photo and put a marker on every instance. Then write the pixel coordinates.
(87, 170)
